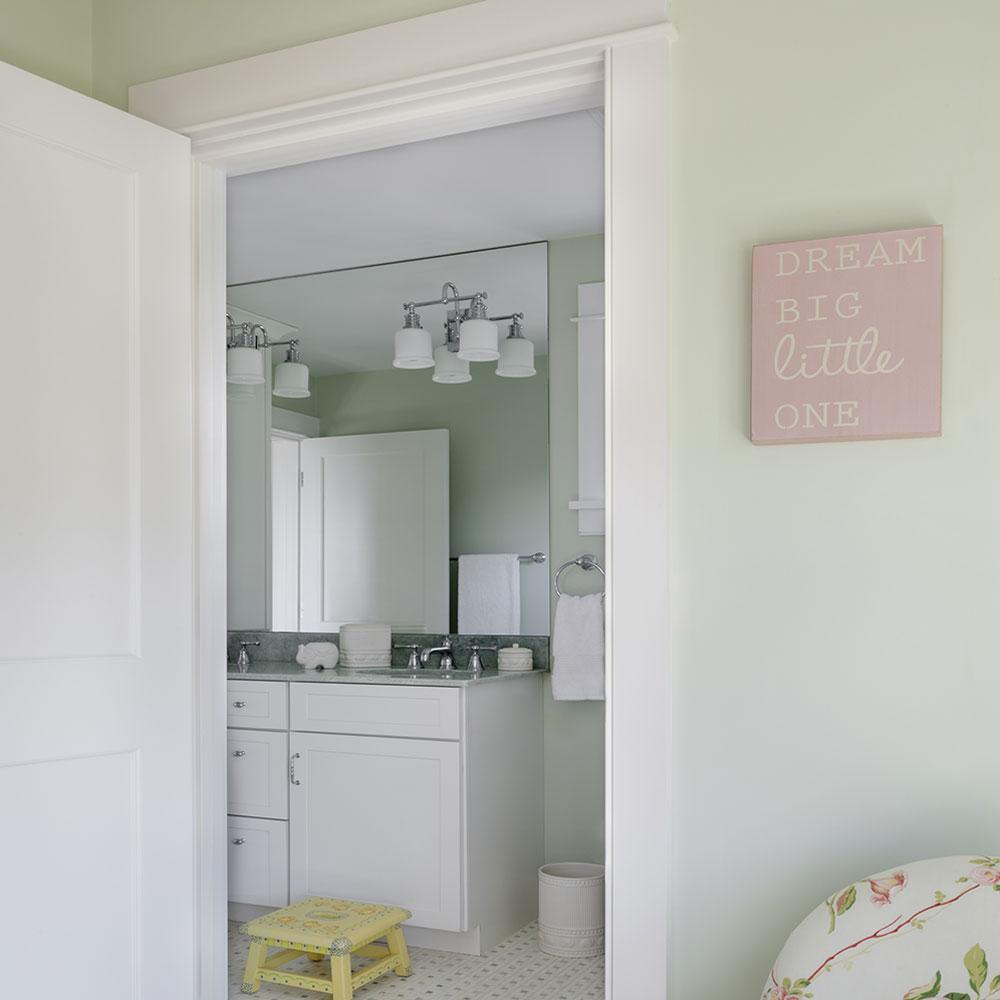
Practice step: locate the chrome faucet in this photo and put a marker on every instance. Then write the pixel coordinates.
(476, 661)
(243, 660)
(447, 660)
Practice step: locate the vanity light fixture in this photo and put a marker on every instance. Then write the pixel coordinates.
(291, 377)
(477, 333)
(246, 344)
(471, 335)
(413, 342)
(517, 353)
(244, 362)
(449, 367)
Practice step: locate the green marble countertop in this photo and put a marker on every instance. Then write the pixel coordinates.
(263, 670)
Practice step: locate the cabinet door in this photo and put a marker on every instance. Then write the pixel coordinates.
(379, 820)
(258, 861)
(258, 773)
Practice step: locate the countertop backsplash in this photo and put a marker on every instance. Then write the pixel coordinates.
(280, 647)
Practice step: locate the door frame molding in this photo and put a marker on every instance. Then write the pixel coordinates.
(488, 63)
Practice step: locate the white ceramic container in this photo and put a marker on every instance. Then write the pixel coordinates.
(365, 645)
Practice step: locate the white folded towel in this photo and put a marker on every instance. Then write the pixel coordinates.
(578, 649)
(489, 595)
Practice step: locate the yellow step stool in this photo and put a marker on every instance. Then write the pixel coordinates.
(317, 928)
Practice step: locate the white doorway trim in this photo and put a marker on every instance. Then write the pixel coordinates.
(488, 63)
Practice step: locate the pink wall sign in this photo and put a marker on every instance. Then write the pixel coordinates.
(846, 338)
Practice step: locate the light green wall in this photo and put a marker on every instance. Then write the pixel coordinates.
(140, 40)
(499, 454)
(308, 405)
(834, 605)
(574, 730)
(50, 38)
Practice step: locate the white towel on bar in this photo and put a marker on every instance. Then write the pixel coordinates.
(489, 595)
(578, 648)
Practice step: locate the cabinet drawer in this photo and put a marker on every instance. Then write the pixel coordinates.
(258, 704)
(258, 861)
(258, 773)
(376, 710)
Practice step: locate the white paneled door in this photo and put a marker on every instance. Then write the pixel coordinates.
(374, 531)
(96, 571)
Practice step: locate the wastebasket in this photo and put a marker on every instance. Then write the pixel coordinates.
(571, 909)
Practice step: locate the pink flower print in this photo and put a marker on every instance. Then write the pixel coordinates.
(986, 875)
(883, 889)
(780, 993)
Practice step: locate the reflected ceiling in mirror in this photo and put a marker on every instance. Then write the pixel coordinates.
(346, 321)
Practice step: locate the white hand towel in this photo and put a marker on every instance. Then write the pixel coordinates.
(578, 649)
(489, 595)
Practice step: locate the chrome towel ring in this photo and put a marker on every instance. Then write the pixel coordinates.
(587, 562)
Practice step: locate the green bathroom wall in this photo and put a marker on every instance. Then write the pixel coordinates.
(50, 39)
(140, 40)
(574, 730)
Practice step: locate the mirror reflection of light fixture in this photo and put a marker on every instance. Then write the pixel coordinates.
(449, 368)
(244, 362)
(472, 335)
(517, 353)
(413, 342)
(291, 377)
(246, 343)
(477, 335)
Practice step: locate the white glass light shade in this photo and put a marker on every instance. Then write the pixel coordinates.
(517, 358)
(291, 380)
(477, 340)
(244, 366)
(449, 368)
(413, 348)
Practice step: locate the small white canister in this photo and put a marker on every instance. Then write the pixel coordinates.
(571, 909)
(514, 658)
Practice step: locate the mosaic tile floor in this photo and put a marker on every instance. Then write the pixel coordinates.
(514, 970)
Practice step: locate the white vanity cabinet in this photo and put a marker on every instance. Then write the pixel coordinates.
(427, 797)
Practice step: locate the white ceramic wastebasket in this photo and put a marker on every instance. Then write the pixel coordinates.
(571, 909)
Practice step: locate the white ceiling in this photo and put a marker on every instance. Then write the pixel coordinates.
(346, 320)
(536, 180)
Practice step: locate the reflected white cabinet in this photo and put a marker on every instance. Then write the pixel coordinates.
(374, 531)
(380, 820)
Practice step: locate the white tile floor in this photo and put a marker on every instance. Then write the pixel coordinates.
(514, 970)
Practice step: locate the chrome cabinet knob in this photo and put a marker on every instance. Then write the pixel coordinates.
(239, 704)
(239, 753)
(239, 841)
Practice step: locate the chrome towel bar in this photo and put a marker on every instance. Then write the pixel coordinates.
(535, 557)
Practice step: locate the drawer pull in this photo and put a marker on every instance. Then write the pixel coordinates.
(239, 704)
(291, 769)
(239, 753)
(239, 841)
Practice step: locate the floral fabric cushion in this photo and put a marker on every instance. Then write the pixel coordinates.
(930, 929)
